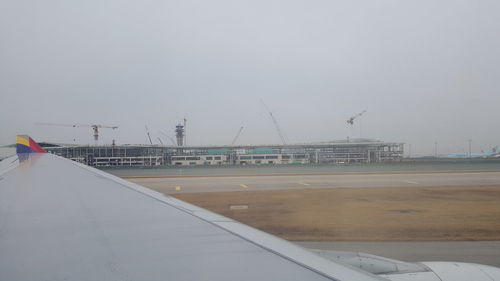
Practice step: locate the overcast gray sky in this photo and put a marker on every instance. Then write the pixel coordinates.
(426, 71)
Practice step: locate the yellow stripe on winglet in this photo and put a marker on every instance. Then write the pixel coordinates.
(23, 141)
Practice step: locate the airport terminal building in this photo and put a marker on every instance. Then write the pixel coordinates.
(338, 152)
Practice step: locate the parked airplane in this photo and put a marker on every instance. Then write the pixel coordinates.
(492, 153)
(61, 220)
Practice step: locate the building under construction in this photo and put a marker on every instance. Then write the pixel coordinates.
(180, 154)
(339, 152)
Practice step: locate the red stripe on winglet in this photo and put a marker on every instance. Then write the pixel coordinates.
(36, 147)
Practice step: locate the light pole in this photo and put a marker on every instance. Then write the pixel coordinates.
(470, 145)
(435, 149)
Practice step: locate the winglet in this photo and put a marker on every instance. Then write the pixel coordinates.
(25, 144)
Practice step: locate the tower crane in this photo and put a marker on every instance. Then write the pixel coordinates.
(95, 127)
(149, 136)
(169, 138)
(276, 125)
(350, 121)
(237, 135)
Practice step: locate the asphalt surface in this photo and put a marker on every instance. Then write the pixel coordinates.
(174, 185)
(482, 252)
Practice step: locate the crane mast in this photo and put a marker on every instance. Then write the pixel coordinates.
(276, 125)
(169, 138)
(149, 136)
(237, 135)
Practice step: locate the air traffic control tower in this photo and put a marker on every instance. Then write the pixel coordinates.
(179, 134)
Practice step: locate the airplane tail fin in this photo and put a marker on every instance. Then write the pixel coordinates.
(25, 144)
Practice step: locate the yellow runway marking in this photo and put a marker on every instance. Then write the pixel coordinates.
(177, 188)
(303, 183)
(411, 182)
(244, 185)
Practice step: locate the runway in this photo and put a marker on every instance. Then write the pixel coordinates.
(188, 184)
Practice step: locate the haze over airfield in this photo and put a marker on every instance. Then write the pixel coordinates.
(425, 71)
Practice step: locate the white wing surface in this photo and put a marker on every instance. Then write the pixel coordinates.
(60, 220)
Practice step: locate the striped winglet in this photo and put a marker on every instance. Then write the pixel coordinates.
(25, 144)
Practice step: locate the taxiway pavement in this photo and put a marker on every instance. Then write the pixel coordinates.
(279, 182)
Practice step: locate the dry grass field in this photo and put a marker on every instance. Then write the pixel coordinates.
(364, 214)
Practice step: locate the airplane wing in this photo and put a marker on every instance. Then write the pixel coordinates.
(61, 220)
